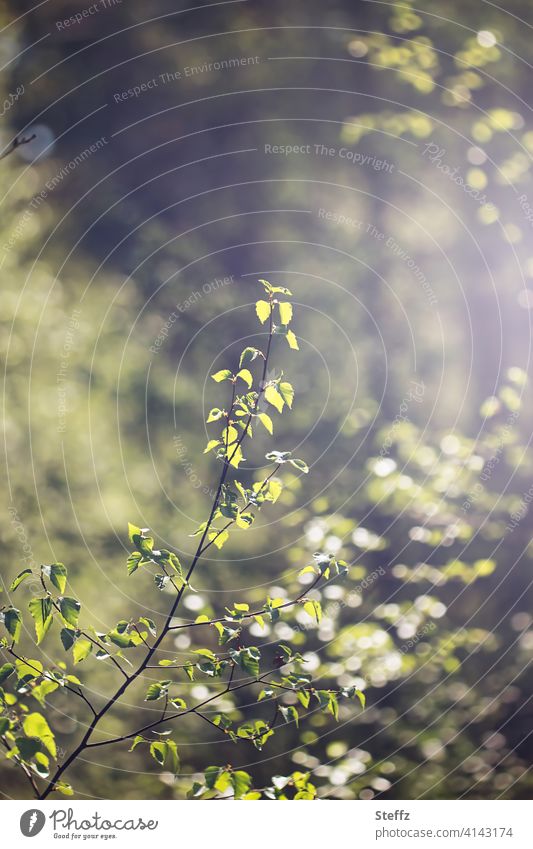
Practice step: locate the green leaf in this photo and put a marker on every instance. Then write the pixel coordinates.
(263, 310)
(42, 764)
(278, 456)
(41, 611)
(138, 739)
(289, 713)
(267, 693)
(158, 750)
(5, 671)
(35, 725)
(304, 698)
(292, 340)
(156, 691)
(150, 624)
(133, 562)
(273, 397)
(287, 392)
(211, 444)
(266, 421)
(223, 374)
(236, 455)
(285, 312)
(19, 579)
(70, 610)
(361, 696)
(241, 782)
(43, 690)
(314, 609)
(248, 660)
(58, 576)
(246, 376)
(248, 356)
(28, 669)
(5, 725)
(63, 788)
(214, 415)
(28, 747)
(218, 538)
(82, 649)
(163, 750)
(333, 706)
(68, 638)
(13, 622)
(300, 464)
(133, 531)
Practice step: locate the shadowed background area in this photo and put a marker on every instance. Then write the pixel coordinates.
(376, 159)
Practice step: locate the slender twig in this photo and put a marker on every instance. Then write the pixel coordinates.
(252, 613)
(17, 142)
(51, 678)
(25, 769)
(246, 506)
(84, 743)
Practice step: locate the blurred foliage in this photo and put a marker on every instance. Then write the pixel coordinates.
(414, 412)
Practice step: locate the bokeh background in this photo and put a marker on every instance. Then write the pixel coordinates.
(398, 207)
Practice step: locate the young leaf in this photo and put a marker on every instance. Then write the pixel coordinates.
(70, 610)
(58, 576)
(19, 579)
(289, 713)
(300, 464)
(236, 456)
(223, 374)
(248, 660)
(63, 788)
(133, 532)
(138, 739)
(263, 310)
(35, 725)
(133, 562)
(248, 356)
(28, 669)
(68, 638)
(287, 392)
(156, 691)
(292, 340)
(41, 611)
(304, 698)
(285, 312)
(82, 649)
(13, 622)
(246, 375)
(273, 397)
(218, 538)
(150, 624)
(241, 782)
(163, 750)
(314, 609)
(5, 671)
(43, 690)
(266, 421)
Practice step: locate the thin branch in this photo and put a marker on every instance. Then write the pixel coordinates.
(84, 743)
(18, 141)
(253, 613)
(25, 769)
(51, 678)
